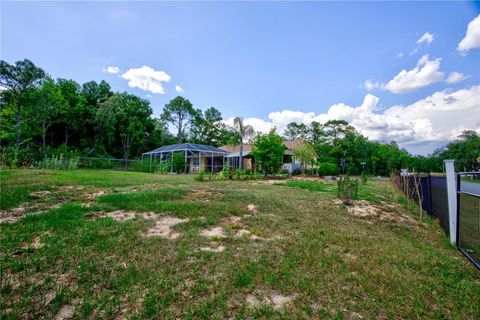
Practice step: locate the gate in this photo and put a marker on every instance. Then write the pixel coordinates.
(468, 215)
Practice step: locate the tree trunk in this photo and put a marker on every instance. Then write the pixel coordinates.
(66, 135)
(180, 131)
(44, 133)
(17, 126)
(240, 162)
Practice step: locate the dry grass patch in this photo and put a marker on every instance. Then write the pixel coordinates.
(275, 300)
(203, 195)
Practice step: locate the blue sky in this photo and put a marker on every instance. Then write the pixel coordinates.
(272, 62)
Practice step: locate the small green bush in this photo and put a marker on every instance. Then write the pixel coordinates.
(327, 169)
(347, 190)
(364, 178)
(199, 177)
(58, 163)
(163, 167)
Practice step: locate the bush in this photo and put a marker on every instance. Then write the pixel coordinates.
(178, 162)
(347, 189)
(327, 169)
(225, 174)
(199, 177)
(296, 171)
(58, 163)
(309, 171)
(163, 167)
(364, 178)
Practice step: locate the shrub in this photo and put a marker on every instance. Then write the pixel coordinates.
(327, 169)
(364, 178)
(163, 167)
(296, 171)
(347, 189)
(199, 177)
(225, 174)
(178, 162)
(58, 163)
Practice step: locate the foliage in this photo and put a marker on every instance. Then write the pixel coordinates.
(181, 114)
(178, 162)
(364, 178)
(305, 153)
(58, 162)
(327, 169)
(163, 167)
(243, 132)
(347, 189)
(268, 152)
(199, 176)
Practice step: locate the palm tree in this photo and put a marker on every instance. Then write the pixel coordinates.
(243, 131)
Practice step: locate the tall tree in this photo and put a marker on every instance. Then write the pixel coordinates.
(296, 131)
(19, 78)
(243, 132)
(179, 112)
(306, 154)
(207, 129)
(124, 116)
(268, 150)
(48, 102)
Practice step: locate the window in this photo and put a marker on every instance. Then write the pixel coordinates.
(196, 163)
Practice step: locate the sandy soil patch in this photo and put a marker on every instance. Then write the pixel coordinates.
(214, 249)
(51, 294)
(163, 228)
(252, 208)
(277, 301)
(40, 194)
(366, 209)
(12, 215)
(67, 311)
(203, 195)
(120, 215)
(216, 232)
(149, 215)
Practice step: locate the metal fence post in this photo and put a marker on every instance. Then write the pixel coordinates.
(452, 199)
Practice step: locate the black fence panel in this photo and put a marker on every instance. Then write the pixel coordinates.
(468, 235)
(439, 201)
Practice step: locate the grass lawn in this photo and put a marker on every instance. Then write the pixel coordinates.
(123, 245)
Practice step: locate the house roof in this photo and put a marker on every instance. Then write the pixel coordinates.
(289, 144)
(188, 147)
(237, 154)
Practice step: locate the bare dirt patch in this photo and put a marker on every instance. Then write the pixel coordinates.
(120, 215)
(203, 195)
(40, 194)
(366, 209)
(67, 311)
(163, 228)
(12, 215)
(213, 249)
(252, 208)
(216, 232)
(277, 301)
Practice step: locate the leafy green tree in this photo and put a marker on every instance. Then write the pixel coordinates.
(268, 150)
(208, 129)
(48, 101)
(306, 154)
(73, 109)
(19, 78)
(243, 132)
(181, 114)
(296, 131)
(126, 117)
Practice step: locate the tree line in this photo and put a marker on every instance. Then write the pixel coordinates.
(41, 116)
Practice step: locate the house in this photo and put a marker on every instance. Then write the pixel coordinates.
(197, 157)
(233, 158)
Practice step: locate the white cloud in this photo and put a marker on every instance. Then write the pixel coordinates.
(179, 89)
(427, 37)
(472, 37)
(400, 55)
(455, 77)
(425, 73)
(113, 70)
(436, 118)
(371, 85)
(147, 79)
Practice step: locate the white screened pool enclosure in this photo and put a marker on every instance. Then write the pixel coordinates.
(197, 157)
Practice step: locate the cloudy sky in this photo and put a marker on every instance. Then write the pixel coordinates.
(403, 71)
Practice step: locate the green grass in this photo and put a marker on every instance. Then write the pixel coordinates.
(337, 266)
